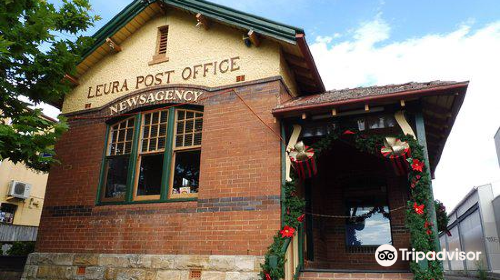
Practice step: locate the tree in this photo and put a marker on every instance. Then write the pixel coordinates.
(39, 44)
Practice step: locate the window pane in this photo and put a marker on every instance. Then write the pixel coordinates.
(150, 172)
(120, 142)
(116, 177)
(7, 212)
(189, 126)
(372, 229)
(154, 127)
(186, 172)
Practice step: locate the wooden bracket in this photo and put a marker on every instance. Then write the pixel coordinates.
(254, 38)
(113, 45)
(73, 80)
(202, 21)
(291, 143)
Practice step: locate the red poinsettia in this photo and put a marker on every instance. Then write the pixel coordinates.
(287, 232)
(429, 232)
(288, 211)
(419, 209)
(427, 224)
(268, 277)
(301, 218)
(348, 132)
(417, 165)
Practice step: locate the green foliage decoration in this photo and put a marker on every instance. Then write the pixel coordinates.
(441, 216)
(421, 234)
(39, 44)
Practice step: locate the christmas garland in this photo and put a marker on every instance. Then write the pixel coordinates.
(441, 217)
(417, 215)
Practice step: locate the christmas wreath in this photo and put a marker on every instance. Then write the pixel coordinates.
(417, 214)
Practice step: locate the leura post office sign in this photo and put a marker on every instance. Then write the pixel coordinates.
(189, 73)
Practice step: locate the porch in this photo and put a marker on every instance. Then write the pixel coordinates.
(358, 200)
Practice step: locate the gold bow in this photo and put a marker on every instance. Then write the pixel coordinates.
(299, 152)
(394, 146)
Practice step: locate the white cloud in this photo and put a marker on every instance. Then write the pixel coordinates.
(368, 58)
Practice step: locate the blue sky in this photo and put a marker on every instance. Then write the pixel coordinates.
(362, 43)
(327, 17)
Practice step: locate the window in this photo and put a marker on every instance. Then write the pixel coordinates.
(117, 161)
(150, 159)
(366, 204)
(369, 226)
(155, 160)
(161, 46)
(7, 212)
(187, 151)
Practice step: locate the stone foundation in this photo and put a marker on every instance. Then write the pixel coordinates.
(66, 266)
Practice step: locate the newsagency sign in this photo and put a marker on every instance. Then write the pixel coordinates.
(159, 96)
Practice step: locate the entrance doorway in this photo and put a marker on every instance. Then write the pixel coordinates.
(354, 204)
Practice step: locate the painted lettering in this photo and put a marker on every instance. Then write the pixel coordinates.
(186, 73)
(124, 86)
(139, 80)
(148, 80)
(233, 63)
(224, 69)
(98, 90)
(89, 95)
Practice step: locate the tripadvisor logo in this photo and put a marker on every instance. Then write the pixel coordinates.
(387, 255)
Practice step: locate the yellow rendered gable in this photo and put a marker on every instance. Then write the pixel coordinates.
(215, 57)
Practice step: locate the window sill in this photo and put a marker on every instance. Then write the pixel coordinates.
(170, 200)
(158, 60)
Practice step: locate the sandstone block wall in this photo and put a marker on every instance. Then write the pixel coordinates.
(76, 266)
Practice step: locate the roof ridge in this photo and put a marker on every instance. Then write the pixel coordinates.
(429, 83)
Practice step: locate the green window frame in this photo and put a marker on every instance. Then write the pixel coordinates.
(142, 133)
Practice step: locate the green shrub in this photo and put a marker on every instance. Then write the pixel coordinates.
(21, 248)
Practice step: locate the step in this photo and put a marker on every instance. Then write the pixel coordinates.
(353, 276)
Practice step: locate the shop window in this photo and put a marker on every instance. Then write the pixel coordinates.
(150, 158)
(117, 160)
(186, 155)
(7, 212)
(155, 161)
(161, 46)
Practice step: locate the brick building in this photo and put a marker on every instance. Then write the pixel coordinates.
(176, 155)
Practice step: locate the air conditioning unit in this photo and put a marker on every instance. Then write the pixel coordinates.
(19, 189)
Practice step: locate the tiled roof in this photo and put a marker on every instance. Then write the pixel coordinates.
(361, 92)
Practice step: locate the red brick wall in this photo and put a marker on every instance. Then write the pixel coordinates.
(238, 209)
(328, 198)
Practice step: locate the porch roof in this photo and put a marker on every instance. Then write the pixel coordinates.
(440, 102)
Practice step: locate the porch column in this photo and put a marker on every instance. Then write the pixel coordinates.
(420, 125)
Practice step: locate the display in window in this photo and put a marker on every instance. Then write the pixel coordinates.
(186, 172)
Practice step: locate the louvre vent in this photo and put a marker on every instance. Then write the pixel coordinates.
(162, 40)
